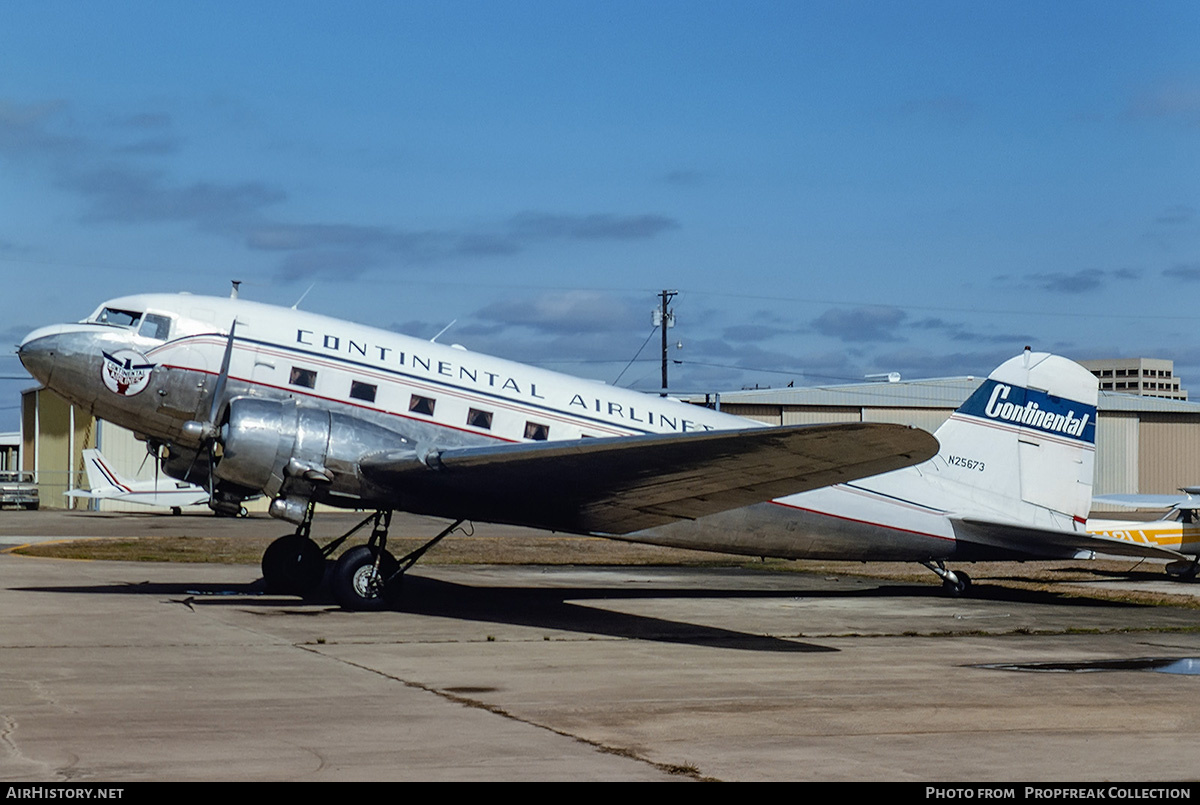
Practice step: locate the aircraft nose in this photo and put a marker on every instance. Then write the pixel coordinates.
(38, 352)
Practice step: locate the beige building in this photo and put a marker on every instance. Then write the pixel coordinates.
(1149, 377)
(53, 435)
(10, 450)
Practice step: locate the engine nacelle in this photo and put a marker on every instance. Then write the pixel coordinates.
(282, 447)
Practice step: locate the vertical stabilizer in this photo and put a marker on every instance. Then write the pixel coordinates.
(1023, 445)
(102, 477)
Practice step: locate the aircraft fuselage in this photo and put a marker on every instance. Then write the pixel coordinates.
(151, 363)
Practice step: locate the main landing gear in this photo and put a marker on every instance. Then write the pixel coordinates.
(1183, 570)
(955, 583)
(365, 577)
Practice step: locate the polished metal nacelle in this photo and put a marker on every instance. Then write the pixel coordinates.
(297, 452)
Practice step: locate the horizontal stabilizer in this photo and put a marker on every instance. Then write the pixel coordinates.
(1050, 543)
(83, 493)
(625, 484)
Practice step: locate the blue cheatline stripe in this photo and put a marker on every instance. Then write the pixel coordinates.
(1033, 409)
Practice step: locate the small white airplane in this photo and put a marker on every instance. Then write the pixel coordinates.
(1177, 530)
(250, 398)
(253, 399)
(105, 483)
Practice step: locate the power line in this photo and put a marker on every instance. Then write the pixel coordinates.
(409, 281)
(635, 356)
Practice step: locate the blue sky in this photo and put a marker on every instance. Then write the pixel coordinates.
(835, 188)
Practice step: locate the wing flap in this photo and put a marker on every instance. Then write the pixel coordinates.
(624, 484)
(1051, 543)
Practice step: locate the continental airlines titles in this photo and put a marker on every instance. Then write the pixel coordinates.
(1031, 414)
(593, 405)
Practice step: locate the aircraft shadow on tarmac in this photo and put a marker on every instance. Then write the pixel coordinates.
(547, 608)
(559, 608)
(1154, 574)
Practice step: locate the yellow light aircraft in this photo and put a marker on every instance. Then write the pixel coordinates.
(1178, 530)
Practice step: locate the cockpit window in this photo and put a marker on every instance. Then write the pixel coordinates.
(119, 318)
(155, 326)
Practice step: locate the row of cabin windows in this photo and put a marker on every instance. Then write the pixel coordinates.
(476, 418)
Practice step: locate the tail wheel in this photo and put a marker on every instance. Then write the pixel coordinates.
(359, 585)
(959, 587)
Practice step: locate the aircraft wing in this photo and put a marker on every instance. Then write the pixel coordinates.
(1051, 543)
(629, 483)
(1187, 501)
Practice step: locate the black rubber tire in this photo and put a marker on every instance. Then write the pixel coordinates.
(1188, 574)
(293, 565)
(354, 583)
(960, 590)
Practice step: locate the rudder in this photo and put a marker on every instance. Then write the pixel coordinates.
(101, 477)
(1023, 445)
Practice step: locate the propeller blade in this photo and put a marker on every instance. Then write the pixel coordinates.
(212, 459)
(222, 378)
(151, 450)
(157, 464)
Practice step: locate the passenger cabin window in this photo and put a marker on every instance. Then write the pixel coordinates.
(537, 431)
(303, 377)
(119, 318)
(362, 391)
(421, 405)
(156, 327)
(479, 419)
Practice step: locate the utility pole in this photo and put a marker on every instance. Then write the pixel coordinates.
(664, 317)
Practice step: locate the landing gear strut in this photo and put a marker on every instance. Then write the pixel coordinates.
(365, 577)
(955, 583)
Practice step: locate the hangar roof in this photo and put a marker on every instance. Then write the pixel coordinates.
(944, 392)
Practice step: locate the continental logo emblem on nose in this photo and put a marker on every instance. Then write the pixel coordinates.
(126, 372)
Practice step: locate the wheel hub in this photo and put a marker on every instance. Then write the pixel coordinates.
(367, 582)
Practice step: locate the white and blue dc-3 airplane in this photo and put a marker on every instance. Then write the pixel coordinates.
(248, 399)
